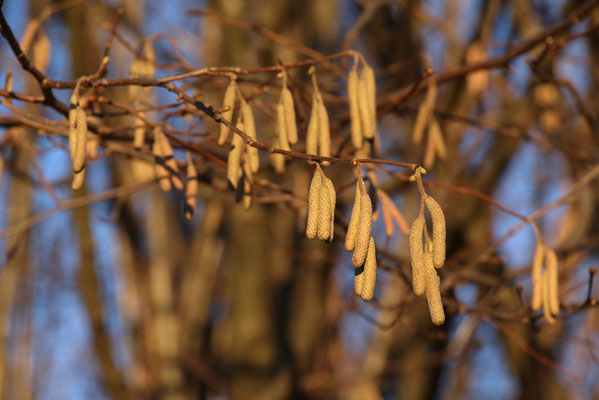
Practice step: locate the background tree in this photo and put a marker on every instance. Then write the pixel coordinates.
(110, 291)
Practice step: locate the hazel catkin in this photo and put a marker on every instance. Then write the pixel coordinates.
(228, 104)
(288, 108)
(312, 133)
(314, 205)
(234, 171)
(191, 189)
(537, 277)
(354, 109)
(332, 200)
(250, 130)
(552, 277)
(352, 229)
(324, 133)
(282, 127)
(417, 256)
(439, 235)
(364, 227)
(433, 292)
(324, 212)
(369, 272)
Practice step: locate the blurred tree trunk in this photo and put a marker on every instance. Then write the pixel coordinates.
(85, 23)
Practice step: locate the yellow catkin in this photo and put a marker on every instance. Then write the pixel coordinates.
(369, 272)
(417, 256)
(324, 133)
(546, 299)
(78, 139)
(228, 103)
(250, 129)
(433, 293)
(277, 160)
(428, 159)
(365, 108)
(312, 133)
(358, 281)
(288, 108)
(552, 272)
(314, 205)
(332, 201)
(159, 164)
(424, 113)
(354, 109)
(537, 276)
(167, 153)
(324, 212)
(191, 190)
(234, 171)
(439, 142)
(364, 226)
(78, 179)
(369, 77)
(352, 229)
(41, 51)
(439, 235)
(282, 127)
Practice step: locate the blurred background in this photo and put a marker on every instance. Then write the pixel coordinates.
(111, 293)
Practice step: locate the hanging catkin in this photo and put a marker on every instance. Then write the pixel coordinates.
(417, 256)
(551, 270)
(159, 165)
(288, 108)
(364, 226)
(354, 109)
(228, 104)
(333, 201)
(324, 211)
(365, 106)
(250, 130)
(439, 238)
(537, 278)
(191, 190)
(234, 159)
(314, 204)
(282, 127)
(425, 111)
(324, 132)
(433, 293)
(167, 153)
(312, 133)
(277, 160)
(352, 229)
(358, 281)
(78, 139)
(369, 77)
(546, 299)
(78, 179)
(369, 272)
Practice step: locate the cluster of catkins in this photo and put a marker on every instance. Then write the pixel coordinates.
(321, 211)
(545, 289)
(427, 257)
